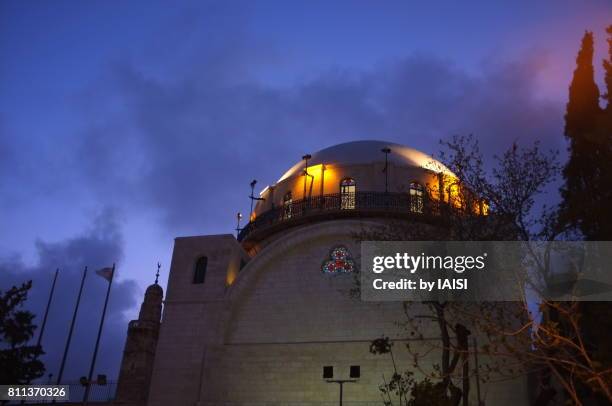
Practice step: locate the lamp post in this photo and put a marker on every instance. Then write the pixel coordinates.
(306, 176)
(253, 198)
(238, 218)
(341, 382)
(328, 373)
(306, 158)
(386, 151)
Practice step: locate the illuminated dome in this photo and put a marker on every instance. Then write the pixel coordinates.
(352, 180)
(369, 152)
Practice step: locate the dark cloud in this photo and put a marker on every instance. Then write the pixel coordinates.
(99, 247)
(189, 145)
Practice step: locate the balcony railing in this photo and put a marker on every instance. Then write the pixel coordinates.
(344, 204)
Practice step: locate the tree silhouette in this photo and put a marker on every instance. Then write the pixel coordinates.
(19, 363)
(607, 63)
(588, 189)
(588, 172)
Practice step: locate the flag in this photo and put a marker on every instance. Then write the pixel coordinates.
(106, 273)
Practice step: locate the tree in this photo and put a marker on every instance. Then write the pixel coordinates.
(588, 172)
(19, 363)
(607, 63)
(588, 184)
(583, 104)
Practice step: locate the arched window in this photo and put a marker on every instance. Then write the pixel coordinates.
(347, 193)
(287, 205)
(416, 197)
(199, 273)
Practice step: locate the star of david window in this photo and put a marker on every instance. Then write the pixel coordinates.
(340, 262)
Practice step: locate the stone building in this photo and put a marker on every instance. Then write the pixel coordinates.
(139, 352)
(254, 320)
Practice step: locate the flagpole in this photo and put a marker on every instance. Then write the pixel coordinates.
(44, 323)
(76, 309)
(95, 354)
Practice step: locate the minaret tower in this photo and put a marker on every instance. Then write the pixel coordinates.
(139, 351)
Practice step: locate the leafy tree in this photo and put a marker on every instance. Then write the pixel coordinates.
(19, 363)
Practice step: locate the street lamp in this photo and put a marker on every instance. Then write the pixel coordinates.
(238, 218)
(386, 151)
(306, 158)
(253, 198)
(354, 374)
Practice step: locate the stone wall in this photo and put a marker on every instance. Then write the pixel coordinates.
(264, 339)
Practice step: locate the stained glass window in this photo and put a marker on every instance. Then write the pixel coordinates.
(340, 262)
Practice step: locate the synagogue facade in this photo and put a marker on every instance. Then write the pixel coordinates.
(259, 318)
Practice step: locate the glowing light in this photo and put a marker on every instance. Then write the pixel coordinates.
(484, 208)
(264, 191)
(315, 170)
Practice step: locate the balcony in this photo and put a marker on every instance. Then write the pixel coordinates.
(337, 205)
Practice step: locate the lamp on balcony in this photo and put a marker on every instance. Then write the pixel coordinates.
(306, 175)
(253, 198)
(238, 218)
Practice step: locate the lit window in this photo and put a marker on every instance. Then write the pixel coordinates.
(287, 205)
(347, 193)
(453, 196)
(416, 197)
(340, 262)
(200, 270)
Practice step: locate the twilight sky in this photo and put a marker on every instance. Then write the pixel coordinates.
(124, 124)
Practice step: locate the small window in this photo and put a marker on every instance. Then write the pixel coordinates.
(347, 193)
(287, 205)
(328, 372)
(199, 273)
(416, 197)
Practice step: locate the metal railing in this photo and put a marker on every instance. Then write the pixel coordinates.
(342, 203)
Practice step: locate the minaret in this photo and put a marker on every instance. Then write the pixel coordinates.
(139, 351)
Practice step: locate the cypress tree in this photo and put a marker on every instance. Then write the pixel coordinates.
(583, 104)
(607, 63)
(587, 193)
(584, 188)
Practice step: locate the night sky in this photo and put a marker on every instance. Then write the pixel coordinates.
(124, 124)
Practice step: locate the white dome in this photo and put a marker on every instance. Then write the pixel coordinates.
(364, 152)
